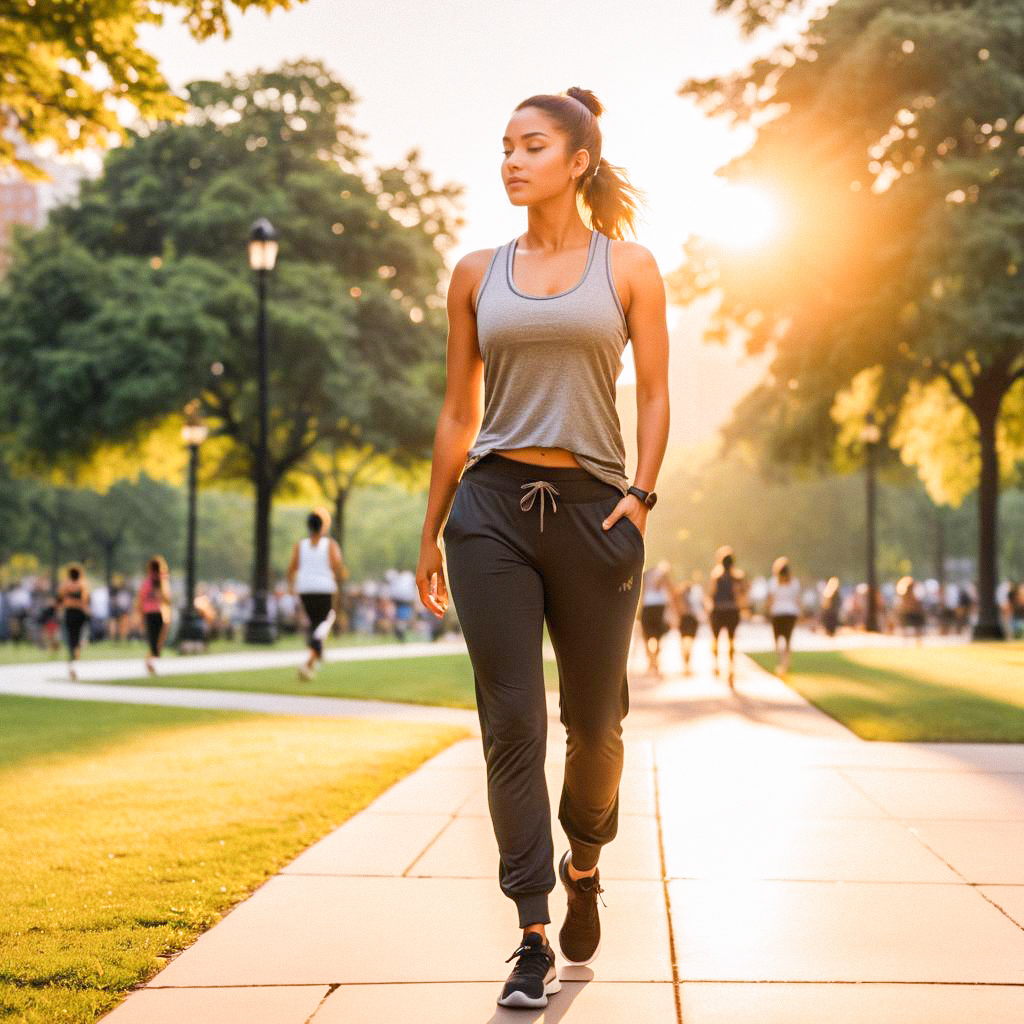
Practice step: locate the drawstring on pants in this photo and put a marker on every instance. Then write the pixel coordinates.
(526, 502)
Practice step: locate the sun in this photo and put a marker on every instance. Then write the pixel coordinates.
(737, 216)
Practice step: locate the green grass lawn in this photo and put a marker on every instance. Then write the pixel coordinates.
(971, 693)
(126, 831)
(29, 654)
(440, 679)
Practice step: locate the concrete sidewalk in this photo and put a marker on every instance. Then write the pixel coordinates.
(770, 867)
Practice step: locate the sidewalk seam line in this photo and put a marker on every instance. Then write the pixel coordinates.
(676, 993)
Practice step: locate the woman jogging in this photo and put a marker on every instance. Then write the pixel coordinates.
(656, 598)
(691, 601)
(727, 587)
(153, 602)
(543, 524)
(73, 599)
(783, 610)
(316, 573)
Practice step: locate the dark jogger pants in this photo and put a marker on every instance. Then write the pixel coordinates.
(507, 575)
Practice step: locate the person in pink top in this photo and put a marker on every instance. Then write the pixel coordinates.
(153, 602)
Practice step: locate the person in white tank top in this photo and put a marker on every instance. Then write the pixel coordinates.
(783, 609)
(315, 573)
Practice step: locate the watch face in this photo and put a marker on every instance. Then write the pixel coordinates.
(651, 499)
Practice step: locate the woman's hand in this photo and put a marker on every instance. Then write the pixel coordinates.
(430, 579)
(634, 509)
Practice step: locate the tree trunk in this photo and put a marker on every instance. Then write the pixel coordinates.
(940, 547)
(986, 410)
(340, 500)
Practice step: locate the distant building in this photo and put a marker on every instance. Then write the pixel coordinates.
(28, 202)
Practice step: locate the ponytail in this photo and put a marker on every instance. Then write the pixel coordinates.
(608, 196)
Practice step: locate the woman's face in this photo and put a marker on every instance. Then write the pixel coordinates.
(535, 165)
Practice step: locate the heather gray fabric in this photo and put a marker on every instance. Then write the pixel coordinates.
(550, 365)
(507, 578)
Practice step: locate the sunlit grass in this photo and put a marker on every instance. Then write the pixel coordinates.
(125, 831)
(437, 679)
(969, 693)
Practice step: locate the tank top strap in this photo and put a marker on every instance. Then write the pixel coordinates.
(497, 258)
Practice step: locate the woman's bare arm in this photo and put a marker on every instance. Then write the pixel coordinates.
(462, 408)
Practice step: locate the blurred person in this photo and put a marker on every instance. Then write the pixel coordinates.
(73, 600)
(153, 604)
(403, 593)
(783, 609)
(99, 612)
(691, 600)
(656, 596)
(910, 608)
(315, 573)
(831, 603)
(728, 586)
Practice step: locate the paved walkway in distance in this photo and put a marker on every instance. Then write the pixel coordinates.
(770, 867)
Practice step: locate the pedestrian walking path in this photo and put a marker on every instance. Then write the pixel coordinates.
(770, 867)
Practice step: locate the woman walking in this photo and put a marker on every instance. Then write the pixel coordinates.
(73, 599)
(153, 602)
(727, 586)
(544, 525)
(656, 598)
(316, 572)
(691, 602)
(783, 609)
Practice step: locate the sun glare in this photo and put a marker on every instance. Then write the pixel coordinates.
(737, 216)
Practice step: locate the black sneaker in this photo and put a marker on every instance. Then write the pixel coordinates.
(580, 934)
(534, 977)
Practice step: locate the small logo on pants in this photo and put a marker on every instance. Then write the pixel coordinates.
(628, 585)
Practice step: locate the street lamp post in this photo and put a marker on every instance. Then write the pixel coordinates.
(262, 257)
(870, 435)
(191, 634)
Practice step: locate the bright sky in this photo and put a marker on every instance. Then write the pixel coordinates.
(445, 77)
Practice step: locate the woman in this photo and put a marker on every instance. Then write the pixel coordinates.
(544, 525)
(727, 586)
(73, 599)
(153, 603)
(315, 572)
(691, 601)
(831, 603)
(783, 610)
(656, 597)
(911, 608)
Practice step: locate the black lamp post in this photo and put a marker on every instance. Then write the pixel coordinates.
(871, 435)
(191, 633)
(262, 256)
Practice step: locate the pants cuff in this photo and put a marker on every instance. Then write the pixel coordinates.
(584, 856)
(533, 908)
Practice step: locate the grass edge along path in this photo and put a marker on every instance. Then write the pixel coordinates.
(440, 680)
(972, 693)
(119, 852)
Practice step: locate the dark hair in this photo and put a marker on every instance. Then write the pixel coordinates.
(74, 572)
(315, 522)
(157, 565)
(608, 195)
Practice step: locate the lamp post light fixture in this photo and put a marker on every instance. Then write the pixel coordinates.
(870, 435)
(262, 257)
(191, 634)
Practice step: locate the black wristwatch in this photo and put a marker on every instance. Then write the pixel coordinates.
(647, 497)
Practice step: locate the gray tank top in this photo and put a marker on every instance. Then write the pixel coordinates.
(550, 365)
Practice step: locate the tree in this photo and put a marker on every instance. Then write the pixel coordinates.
(138, 297)
(896, 142)
(67, 63)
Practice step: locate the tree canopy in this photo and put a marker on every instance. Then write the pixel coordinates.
(69, 65)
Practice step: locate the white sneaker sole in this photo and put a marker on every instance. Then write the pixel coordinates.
(521, 999)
